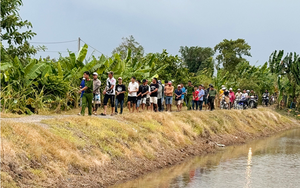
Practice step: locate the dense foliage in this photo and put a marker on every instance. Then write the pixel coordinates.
(28, 84)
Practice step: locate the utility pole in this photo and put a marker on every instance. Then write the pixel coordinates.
(78, 44)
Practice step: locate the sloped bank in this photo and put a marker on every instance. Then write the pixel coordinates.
(93, 152)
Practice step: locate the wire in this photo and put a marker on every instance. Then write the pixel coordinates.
(54, 51)
(54, 42)
(92, 47)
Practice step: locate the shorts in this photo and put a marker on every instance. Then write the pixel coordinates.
(205, 100)
(153, 100)
(96, 99)
(169, 99)
(132, 99)
(143, 100)
(112, 100)
(138, 103)
(148, 101)
(178, 102)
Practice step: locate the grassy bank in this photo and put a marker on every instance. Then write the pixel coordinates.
(89, 151)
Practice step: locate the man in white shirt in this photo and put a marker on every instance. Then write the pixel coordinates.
(109, 93)
(133, 88)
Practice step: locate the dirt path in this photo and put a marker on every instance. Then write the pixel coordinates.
(37, 119)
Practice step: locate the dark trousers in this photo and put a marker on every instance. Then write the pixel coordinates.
(211, 101)
(193, 104)
(159, 105)
(121, 105)
(200, 105)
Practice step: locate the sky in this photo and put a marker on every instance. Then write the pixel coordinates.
(266, 25)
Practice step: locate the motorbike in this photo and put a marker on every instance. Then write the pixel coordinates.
(253, 102)
(265, 100)
(242, 104)
(224, 104)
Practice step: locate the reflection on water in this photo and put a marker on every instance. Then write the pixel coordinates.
(271, 162)
(248, 169)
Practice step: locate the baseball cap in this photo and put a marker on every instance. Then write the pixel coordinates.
(110, 72)
(120, 78)
(144, 80)
(95, 73)
(179, 86)
(239, 89)
(223, 88)
(230, 88)
(169, 82)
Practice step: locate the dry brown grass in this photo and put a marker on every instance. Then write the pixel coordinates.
(86, 143)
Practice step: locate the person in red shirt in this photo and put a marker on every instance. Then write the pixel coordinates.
(195, 98)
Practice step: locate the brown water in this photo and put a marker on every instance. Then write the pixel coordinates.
(271, 162)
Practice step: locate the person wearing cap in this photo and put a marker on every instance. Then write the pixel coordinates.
(82, 84)
(231, 97)
(169, 96)
(87, 97)
(211, 97)
(96, 93)
(221, 93)
(153, 94)
(189, 95)
(133, 88)
(120, 91)
(109, 93)
(145, 91)
(178, 94)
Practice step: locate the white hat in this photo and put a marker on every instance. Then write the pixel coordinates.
(223, 88)
(239, 89)
(179, 86)
(120, 78)
(230, 88)
(95, 73)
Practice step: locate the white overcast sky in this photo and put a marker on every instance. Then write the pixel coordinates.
(266, 25)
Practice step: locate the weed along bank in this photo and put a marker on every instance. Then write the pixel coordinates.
(76, 151)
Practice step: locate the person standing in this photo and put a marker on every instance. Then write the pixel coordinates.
(87, 97)
(211, 97)
(207, 91)
(184, 92)
(189, 95)
(160, 96)
(238, 94)
(145, 91)
(96, 92)
(201, 94)
(120, 91)
(139, 96)
(231, 97)
(133, 88)
(148, 96)
(205, 96)
(169, 96)
(178, 94)
(195, 98)
(153, 94)
(109, 93)
(82, 84)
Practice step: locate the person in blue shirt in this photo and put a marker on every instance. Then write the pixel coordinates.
(82, 85)
(184, 91)
(200, 96)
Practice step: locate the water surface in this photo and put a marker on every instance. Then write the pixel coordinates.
(271, 162)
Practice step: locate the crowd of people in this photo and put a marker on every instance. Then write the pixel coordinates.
(153, 97)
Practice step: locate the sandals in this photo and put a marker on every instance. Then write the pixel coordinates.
(103, 114)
